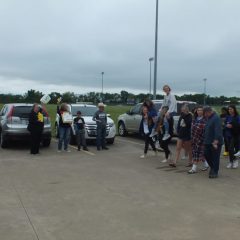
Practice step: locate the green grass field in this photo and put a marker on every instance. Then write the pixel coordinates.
(114, 111)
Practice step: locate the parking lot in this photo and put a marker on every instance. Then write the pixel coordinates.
(113, 195)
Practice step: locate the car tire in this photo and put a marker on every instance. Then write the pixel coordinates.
(122, 129)
(110, 140)
(46, 142)
(3, 141)
(56, 131)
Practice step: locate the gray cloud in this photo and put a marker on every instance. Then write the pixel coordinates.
(59, 42)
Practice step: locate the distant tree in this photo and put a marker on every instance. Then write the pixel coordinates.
(32, 96)
(69, 97)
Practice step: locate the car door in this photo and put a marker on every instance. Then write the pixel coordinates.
(2, 115)
(136, 118)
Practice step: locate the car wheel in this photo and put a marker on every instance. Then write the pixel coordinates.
(46, 142)
(3, 141)
(56, 131)
(110, 140)
(122, 129)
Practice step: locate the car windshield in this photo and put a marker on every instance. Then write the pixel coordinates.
(85, 110)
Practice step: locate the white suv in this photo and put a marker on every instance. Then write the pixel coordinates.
(88, 111)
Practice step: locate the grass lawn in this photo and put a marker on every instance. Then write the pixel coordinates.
(114, 111)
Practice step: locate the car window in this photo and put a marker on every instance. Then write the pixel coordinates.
(137, 109)
(22, 111)
(157, 106)
(85, 110)
(3, 111)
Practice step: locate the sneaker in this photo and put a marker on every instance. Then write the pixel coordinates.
(192, 171)
(235, 164)
(85, 149)
(164, 160)
(225, 154)
(105, 148)
(143, 156)
(67, 150)
(166, 136)
(237, 154)
(230, 165)
(204, 168)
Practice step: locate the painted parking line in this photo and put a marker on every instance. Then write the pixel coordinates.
(87, 152)
(128, 141)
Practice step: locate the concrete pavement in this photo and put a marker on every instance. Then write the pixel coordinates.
(112, 195)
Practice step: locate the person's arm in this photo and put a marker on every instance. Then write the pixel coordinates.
(106, 118)
(188, 121)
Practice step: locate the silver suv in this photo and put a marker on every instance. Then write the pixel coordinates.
(14, 122)
(130, 121)
(88, 111)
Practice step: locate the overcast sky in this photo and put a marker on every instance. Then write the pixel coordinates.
(64, 45)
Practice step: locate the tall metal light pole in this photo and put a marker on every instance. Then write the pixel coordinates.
(205, 91)
(155, 57)
(102, 84)
(150, 83)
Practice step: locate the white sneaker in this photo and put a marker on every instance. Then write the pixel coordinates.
(67, 150)
(230, 165)
(237, 154)
(143, 156)
(164, 161)
(235, 164)
(192, 171)
(166, 136)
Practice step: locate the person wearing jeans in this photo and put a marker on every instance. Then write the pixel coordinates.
(64, 128)
(213, 141)
(101, 119)
(64, 136)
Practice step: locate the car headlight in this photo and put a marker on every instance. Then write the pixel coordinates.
(111, 124)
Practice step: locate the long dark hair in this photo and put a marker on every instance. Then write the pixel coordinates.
(148, 103)
(234, 109)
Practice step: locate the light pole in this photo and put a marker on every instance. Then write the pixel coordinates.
(102, 84)
(150, 84)
(156, 52)
(205, 91)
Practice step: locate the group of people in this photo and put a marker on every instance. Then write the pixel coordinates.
(36, 126)
(200, 133)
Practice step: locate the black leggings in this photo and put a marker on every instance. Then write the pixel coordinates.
(164, 146)
(149, 140)
(233, 147)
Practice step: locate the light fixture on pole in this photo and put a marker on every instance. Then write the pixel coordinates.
(205, 91)
(150, 83)
(156, 53)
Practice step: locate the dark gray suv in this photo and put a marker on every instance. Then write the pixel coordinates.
(14, 122)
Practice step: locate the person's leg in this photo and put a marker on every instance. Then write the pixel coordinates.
(83, 141)
(33, 143)
(209, 157)
(39, 138)
(147, 138)
(152, 144)
(166, 127)
(78, 140)
(216, 159)
(164, 146)
(231, 150)
(99, 137)
(188, 147)
(67, 138)
(178, 150)
(104, 138)
(61, 137)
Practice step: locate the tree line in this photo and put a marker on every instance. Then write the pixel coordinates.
(124, 97)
